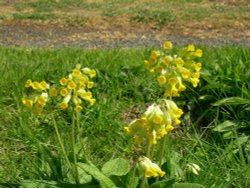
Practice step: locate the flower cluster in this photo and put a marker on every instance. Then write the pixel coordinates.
(151, 169)
(174, 69)
(75, 87)
(155, 123)
(38, 100)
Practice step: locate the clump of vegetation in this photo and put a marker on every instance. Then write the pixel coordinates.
(65, 137)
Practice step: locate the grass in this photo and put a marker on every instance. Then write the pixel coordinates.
(157, 12)
(123, 91)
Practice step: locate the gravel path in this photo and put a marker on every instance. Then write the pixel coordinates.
(55, 36)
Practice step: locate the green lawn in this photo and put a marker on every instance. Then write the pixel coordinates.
(123, 89)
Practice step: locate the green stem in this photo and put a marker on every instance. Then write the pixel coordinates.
(61, 143)
(76, 174)
(144, 180)
(132, 180)
(162, 148)
(78, 132)
(149, 146)
(162, 151)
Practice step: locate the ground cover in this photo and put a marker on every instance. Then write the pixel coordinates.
(214, 133)
(53, 23)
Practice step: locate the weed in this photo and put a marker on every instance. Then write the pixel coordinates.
(159, 18)
(33, 16)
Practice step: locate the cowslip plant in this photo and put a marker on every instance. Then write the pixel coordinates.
(73, 94)
(156, 122)
(173, 71)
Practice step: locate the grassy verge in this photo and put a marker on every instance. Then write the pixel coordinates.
(157, 12)
(123, 91)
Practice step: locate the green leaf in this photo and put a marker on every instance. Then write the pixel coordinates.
(116, 167)
(188, 185)
(229, 135)
(241, 140)
(104, 181)
(38, 184)
(84, 177)
(163, 183)
(225, 126)
(232, 101)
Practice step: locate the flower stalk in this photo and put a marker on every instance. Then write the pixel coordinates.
(172, 72)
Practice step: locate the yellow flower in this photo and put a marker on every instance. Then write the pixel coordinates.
(162, 80)
(77, 100)
(197, 66)
(63, 81)
(169, 128)
(53, 92)
(185, 73)
(177, 121)
(179, 62)
(92, 102)
(174, 91)
(44, 85)
(198, 53)
(28, 103)
(154, 114)
(152, 70)
(90, 72)
(167, 60)
(181, 87)
(151, 136)
(195, 82)
(161, 133)
(167, 93)
(172, 81)
(196, 75)
(64, 92)
(90, 84)
(177, 112)
(82, 80)
(76, 73)
(157, 119)
(64, 105)
(127, 129)
(28, 83)
(71, 85)
(168, 45)
(41, 100)
(190, 48)
(154, 55)
(78, 108)
(151, 169)
(36, 85)
(87, 95)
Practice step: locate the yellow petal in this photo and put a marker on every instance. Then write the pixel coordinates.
(168, 45)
